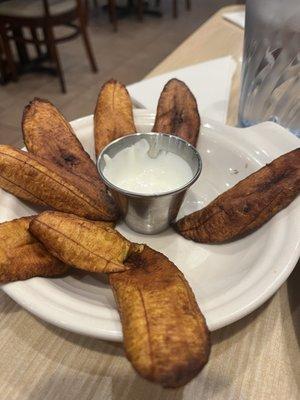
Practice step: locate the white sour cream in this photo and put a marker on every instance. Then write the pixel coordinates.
(132, 169)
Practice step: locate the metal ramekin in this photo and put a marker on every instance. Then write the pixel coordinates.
(151, 213)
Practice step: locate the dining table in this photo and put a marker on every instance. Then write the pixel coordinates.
(255, 358)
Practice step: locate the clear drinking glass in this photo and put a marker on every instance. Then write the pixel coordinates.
(271, 65)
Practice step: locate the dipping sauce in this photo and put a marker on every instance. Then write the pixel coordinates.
(134, 170)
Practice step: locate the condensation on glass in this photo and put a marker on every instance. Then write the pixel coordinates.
(271, 66)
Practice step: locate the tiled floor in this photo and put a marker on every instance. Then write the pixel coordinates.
(127, 55)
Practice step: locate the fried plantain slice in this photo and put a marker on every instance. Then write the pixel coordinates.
(248, 205)
(113, 116)
(22, 256)
(41, 182)
(87, 245)
(177, 112)
(165, 334)
(47, 134)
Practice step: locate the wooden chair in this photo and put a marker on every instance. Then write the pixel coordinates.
(132, 6)
(112, 12)
(42, 15)
(140, 9)
(140, 6)
(2, 64)
(188, 6)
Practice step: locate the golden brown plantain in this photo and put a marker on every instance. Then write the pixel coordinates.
(113, 116)
(165, 334)
(22, 256)
(177, 112)
(248, 205)
(41, 182)
(48, 135)
(87, 245)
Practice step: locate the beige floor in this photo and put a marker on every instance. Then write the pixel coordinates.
(127, 55)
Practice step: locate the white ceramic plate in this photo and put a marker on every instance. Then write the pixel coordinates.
(229, 281)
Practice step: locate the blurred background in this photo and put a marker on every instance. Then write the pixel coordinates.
(120, 39)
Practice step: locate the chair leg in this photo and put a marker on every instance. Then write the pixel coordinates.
(8, 53)
(36, 41)
(140, 10)
(112, 11)
(2, 64)
(20, 44)
(175, 9)
(188, 4)
(86, 41)
(51, 46)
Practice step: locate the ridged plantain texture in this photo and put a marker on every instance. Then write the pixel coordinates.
(165, 334)
(113, 116)
(41, 182)
(88, 245)
(22, 256)
(47, 134)
(177, 112)
(248, 205)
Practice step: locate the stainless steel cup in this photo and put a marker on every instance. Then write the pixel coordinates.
(144, 213)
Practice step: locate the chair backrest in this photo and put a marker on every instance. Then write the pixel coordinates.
(80, 5)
